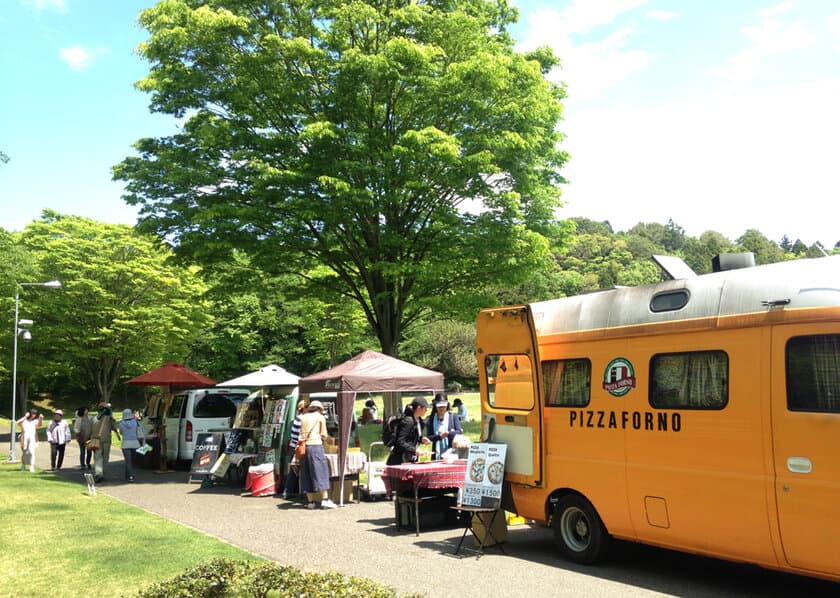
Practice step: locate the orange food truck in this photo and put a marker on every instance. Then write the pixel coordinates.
(699, 414)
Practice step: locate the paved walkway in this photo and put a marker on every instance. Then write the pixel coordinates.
(361, 539)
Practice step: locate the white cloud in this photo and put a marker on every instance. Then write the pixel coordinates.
(661, 15)
(588, 68)
(591, 69)
(771, 37)
(834, 27)
(79, 58)
(724, 163)
(57, 4)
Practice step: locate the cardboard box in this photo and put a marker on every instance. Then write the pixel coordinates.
(335, 496)
(480, 524)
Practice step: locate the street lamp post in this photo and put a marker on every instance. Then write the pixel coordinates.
(26, 335)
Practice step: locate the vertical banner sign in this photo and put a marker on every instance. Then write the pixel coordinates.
(485, 474)
(207, 449)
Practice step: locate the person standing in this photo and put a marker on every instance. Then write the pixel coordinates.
(101, 430)
(82, 426)
(314, 469)
(58, 435)
(29, 425)
(132, 438)
(291, 487)
(409, 433)
(442, 426)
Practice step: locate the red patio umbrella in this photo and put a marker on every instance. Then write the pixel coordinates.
(172, 374)
(168, 375)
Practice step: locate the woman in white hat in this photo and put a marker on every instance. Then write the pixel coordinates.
(442, 426)
(58, 435)
(314, 469)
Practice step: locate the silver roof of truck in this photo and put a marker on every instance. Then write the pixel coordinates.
(784, 285)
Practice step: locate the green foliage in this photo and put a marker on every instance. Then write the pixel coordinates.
(122, 308)
(222, 578)
(351, 136)
(446, 346)
(260, 320)
(765, 250)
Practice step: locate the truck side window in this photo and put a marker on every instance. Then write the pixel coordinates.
(812, 371)
(691, 380)
(509, 381)
(567, 382)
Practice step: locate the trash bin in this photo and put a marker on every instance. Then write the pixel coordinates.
(260, 480)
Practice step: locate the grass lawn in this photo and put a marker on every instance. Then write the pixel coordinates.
(60, 541)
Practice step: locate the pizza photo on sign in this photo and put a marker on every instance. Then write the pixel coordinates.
(477, 470)
(204, 459)
(496, 472)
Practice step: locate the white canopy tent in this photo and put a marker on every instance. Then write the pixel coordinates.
(270, 375)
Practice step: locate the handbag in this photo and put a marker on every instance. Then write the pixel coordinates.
(92, 444)
(300, 449)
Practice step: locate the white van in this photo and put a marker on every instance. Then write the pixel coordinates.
(197, 411)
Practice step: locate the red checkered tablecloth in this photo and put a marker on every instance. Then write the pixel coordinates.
(435, 474)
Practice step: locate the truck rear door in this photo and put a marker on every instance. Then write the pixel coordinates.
(509, 377)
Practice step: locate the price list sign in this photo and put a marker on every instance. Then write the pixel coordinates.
(485, 474)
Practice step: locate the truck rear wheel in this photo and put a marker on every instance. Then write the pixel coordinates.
(578, 530)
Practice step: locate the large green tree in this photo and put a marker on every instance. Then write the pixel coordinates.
(121, 309)
(405, 146)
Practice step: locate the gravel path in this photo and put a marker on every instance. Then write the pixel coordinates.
(361, 539)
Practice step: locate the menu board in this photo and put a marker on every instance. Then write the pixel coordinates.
(207, 448)
(485, 474)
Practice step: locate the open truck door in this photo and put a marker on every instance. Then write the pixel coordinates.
(509, 377)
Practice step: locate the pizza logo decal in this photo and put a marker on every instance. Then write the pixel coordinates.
(619, 377)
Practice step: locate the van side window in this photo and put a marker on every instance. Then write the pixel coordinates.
(214, 406)
(812, 370)
(567, 382)
(691, 380)
(509, 381)
(176, 406)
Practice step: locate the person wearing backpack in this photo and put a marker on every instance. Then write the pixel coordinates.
(408, 433)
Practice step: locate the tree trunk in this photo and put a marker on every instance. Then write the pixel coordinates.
(391, 404)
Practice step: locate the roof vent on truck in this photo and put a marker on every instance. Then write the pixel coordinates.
(733, 261)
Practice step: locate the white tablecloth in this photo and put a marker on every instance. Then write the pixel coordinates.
(355, 463)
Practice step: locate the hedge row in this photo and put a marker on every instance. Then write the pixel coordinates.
(223, 578)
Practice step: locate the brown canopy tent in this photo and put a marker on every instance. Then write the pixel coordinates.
(367, 372)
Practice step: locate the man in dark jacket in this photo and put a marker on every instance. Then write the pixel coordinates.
(409, 433)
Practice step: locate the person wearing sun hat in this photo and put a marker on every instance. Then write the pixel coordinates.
(58, 435)
(442, 426)
(102, 429)
(133, 437)
(314, 469)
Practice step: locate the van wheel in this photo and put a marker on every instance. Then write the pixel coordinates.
(578, 530)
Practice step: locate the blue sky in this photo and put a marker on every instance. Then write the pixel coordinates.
(717, 114)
